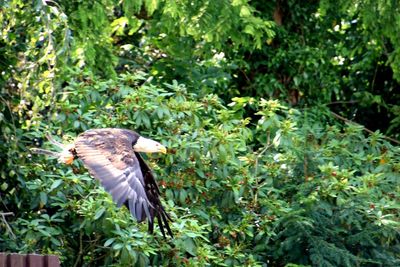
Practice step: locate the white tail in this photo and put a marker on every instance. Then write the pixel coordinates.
(45, 152)
(65, 156)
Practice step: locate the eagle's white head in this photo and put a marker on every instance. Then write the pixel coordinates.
(148, 146)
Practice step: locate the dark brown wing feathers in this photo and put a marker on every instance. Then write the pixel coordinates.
(109, 157)
(153, 193)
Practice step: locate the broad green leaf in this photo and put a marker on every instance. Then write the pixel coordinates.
(56, 184)
(99, 213)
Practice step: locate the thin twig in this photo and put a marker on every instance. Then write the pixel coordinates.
(343, 102)
(256, 165)
(305, 166)
(245, 75)
(6, 102)
(365, 129)
(78, 258)
(373, 80)
(3, 217)
(7, 213)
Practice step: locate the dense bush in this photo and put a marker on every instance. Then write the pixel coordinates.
(258, 172)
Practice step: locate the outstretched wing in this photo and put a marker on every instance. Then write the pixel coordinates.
(153, 193)
(109, 157)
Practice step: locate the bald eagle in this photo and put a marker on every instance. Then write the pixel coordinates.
(112, 156)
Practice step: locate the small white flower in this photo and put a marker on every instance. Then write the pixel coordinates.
(219, 56)
(336, 28)
(339, 60)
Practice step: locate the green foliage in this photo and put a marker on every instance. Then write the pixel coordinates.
(374, 13)
(249, 180)
(341, 55)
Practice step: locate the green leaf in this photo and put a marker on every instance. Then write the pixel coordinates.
(55, 184)
(99, 213)
(182, 196)
(44, 232)
(190, 246)
(245, 11)
(109, 242)
(277, 139)
(55, 241)
(118, 25)
(43, 198)
(249, 29)
(76, 124)
(118, 246)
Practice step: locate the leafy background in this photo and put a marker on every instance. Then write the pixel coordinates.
(281, 119)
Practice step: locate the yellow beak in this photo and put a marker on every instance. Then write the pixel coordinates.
(163, 149)
(149, 146)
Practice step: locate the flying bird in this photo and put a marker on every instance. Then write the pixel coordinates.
(112, 156)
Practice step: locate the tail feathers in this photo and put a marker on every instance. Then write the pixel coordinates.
(45, 152)
(67, 155)
(54, 142)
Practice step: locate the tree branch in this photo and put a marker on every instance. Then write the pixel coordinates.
(256, 166)
(343, 102)
(3, 218)
(365, 129)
